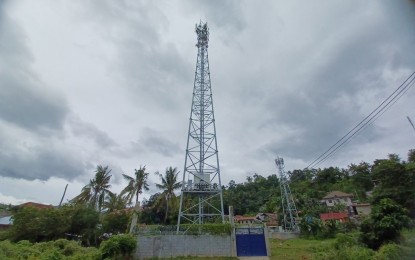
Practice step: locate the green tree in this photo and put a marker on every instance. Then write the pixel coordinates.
(135, 185)
(168, 184)
(114, 202)
(94, 193)
(328, 176)
(411, 155)
(257, 193)
(116, 222)
(118, 247)
(395, 180)
(38, 225)
(84, 224)
(133, 189)
(385, 223)
(152, 210)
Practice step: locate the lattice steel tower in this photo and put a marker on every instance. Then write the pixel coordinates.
(289, 210)
(201, 195)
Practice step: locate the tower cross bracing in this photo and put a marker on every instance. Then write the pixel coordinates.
(201, 198)
(289, 210)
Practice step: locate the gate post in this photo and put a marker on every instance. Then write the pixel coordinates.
(233, 238)
(267, 245)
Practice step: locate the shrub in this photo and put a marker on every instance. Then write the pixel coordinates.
(116, 222)
(389, 252)
(315, 228)
(384, 225)
(344, 240)
(212, 229)
(356, 252)
(52, 254)
(53, 250)
(118, 246)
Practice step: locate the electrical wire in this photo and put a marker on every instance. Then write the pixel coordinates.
(373, 116)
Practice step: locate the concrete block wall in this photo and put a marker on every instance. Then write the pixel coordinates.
(183, 245)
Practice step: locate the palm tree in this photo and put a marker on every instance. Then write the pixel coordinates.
(95, 192)
(134, 188)
(114, 202)
(135, 185)
(168, 184)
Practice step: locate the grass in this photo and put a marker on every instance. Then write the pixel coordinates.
(307, 249)
(408, 244)
(301, 249)
(298, 248)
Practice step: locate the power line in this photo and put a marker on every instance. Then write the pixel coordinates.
(410, 121)
(374, 115)
(370, 121)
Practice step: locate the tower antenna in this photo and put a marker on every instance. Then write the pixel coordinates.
(201, 198)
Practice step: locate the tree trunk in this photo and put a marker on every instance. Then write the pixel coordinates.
(135, 217)
(167, 211)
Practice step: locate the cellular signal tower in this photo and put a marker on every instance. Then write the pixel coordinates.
(201, 198)
(290, 213)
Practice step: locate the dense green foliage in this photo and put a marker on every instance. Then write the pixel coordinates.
(95, 193)
(257, 194)
(38, 225)
(58, 249)
(70, 221)
(388, 184)
(395, 180)
(168, 184)
(116, 222)
(384, 224)
(315, 228)
(344, 246)
(118, 247)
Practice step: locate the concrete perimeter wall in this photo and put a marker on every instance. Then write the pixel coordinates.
(183, 245)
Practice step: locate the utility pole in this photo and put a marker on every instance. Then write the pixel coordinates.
(201, 198)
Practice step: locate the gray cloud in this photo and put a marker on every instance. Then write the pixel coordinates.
(149, 67)
(24, 100)
(32, 115)
(154, 141)
(25, 104)
(30, 159)
(321, 102)
(288, 78)
(87, 130)
(227, 15)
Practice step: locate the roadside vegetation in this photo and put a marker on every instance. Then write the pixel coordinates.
(90, 225)
(343, 246)
(116, 247)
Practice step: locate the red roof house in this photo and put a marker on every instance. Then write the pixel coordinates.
(340, 216)
(35, 205)
(244, 220)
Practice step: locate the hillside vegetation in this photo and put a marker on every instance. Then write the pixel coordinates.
(97, 213)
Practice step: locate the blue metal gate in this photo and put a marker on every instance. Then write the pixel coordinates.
(250, 242)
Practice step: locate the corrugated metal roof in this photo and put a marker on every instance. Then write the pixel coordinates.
(6, 220)
(338, 194)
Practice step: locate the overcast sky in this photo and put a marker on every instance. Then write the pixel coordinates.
(87, 83)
